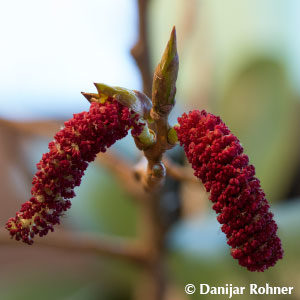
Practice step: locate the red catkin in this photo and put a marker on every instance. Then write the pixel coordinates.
(62, 168)
(217, 157)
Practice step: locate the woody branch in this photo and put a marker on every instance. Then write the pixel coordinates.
(163, 100)
(115, 247)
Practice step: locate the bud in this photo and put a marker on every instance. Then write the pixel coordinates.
(134, 100)
(91, 97)
(164, 80)
(172, 136)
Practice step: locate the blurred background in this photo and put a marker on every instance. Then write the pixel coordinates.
(240, 61)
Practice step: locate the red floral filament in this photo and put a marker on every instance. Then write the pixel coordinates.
(61, 169)
(217, 157)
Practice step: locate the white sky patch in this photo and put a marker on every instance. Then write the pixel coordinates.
(52, 50)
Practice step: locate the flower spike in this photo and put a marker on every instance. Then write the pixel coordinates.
(217, 157)
(60, 170)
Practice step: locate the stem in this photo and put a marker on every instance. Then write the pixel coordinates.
(163, 93)
(152, 225)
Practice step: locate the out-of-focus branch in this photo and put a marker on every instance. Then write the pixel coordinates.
(123, 172)
(87, 243)
(178, 172)
(39, 128)
(187, 22)
(140, 51)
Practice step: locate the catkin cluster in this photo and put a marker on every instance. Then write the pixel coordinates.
(61, 169)
(217, 157)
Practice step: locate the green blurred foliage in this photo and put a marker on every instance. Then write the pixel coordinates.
(258, 105)
(102, 205)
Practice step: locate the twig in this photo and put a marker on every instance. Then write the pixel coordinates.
(87, 243)
(140, 51)
(151, 225)
(163, 94)
(153, 279)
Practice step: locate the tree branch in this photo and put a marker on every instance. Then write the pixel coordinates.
(40, 128)
(140, 51)
(163, 94)
(152, 226)
(87, 243)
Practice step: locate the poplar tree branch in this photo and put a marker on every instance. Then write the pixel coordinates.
(163, 94)
(140, 51)
(153, 229)
(87, 243)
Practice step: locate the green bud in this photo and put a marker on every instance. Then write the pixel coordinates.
(132, 99)
(164, 80)
(147, 136)
(91, 97)
(172, 136)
